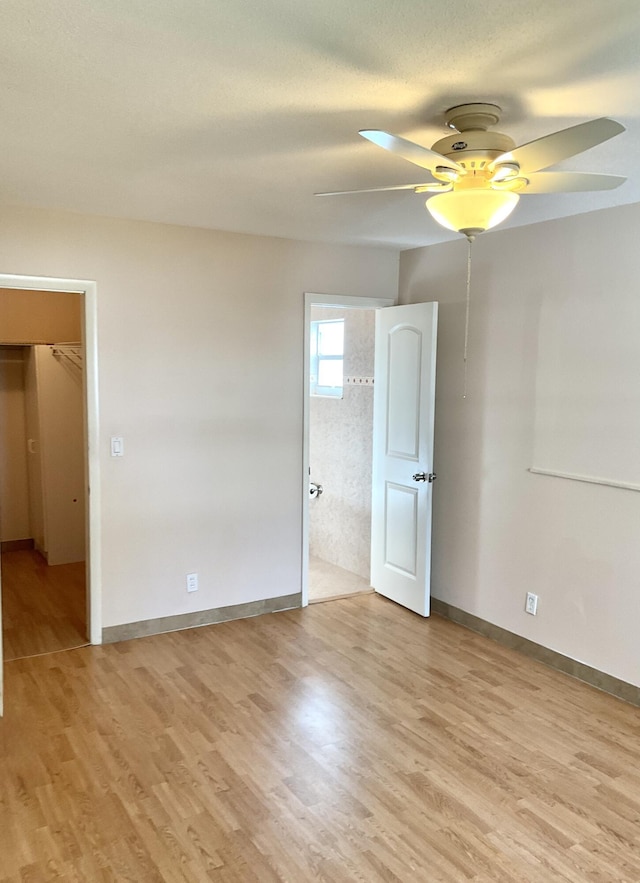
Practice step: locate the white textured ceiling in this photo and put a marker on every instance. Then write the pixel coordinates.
(229, 114)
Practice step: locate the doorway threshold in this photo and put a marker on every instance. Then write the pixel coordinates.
(329, 582)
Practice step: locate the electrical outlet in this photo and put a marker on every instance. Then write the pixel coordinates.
(192, 582)
(531, 604)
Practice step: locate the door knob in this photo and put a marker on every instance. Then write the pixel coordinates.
(425, 476)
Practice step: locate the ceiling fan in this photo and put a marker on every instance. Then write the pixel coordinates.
(477, 176)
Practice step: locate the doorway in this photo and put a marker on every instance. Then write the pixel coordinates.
(42, 474)
(46, 289)
(338, 423)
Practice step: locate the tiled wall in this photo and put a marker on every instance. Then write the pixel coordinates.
(340, 452)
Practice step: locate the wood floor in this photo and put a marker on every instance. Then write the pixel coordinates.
(349, 741)
(43, 608)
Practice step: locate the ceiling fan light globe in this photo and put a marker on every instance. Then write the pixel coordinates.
(476, 210)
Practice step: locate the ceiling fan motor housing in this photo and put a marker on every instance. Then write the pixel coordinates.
(475, 148)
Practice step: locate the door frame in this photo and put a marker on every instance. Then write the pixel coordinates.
(88, 289)
(339, 301)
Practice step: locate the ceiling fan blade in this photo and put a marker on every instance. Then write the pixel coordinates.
(570, 182)
(550, 149)
(419, 156)
(374, 189)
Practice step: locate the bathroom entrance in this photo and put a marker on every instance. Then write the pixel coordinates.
(339, 425)
(368, 459)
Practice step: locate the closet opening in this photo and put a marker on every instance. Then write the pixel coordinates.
(43, 526)
(49, 523)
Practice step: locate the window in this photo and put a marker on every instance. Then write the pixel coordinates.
(327, 358)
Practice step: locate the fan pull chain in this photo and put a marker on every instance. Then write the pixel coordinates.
(466, 319)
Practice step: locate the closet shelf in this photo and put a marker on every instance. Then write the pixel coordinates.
(70, 350)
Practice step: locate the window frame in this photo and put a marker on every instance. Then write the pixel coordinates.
(316, 358)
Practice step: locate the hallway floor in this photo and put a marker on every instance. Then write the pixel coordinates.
(328, 581)
(43, 608)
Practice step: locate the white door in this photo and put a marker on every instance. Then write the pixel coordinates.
(403, 420)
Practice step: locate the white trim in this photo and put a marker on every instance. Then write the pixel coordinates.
(343, 301)
(339, 301)
(87, 288)
(591, 479)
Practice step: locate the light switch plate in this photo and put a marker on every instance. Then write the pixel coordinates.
(117, 446)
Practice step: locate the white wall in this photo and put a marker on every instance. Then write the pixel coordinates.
(200, 359)
(500, 531)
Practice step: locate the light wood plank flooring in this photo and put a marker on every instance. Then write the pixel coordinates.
(351, 741)
(43, 608)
